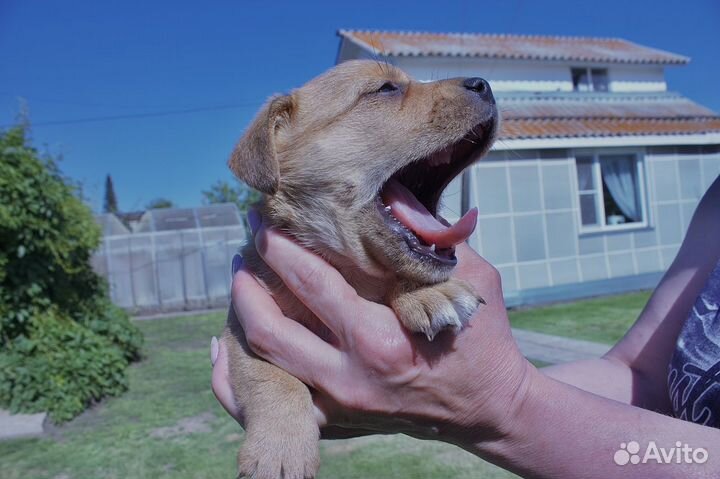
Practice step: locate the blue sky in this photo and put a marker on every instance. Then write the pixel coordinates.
(72, 60)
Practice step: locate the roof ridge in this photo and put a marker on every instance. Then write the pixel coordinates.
(684, 58)
(491, 45)
(581, 98)
(488, 34)
(612, 118)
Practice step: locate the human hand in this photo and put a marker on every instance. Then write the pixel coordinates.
(376, 376)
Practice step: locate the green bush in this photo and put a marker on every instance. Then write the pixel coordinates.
(63, 345)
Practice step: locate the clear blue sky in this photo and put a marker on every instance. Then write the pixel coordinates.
(78, 59)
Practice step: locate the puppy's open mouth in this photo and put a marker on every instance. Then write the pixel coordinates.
(408, 201)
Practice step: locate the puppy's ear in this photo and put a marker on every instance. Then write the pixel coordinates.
(254, 159)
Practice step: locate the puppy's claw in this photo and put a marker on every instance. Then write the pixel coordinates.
(481, 300)
(431, 309)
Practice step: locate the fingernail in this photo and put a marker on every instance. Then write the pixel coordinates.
(237, 262)
(254, 219)
(213, 350)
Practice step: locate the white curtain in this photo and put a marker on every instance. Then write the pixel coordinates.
(619, 175)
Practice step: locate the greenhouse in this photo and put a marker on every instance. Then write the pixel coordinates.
(170, 259)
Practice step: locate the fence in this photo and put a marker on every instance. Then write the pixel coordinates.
(179, 269)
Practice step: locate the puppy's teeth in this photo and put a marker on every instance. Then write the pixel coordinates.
(432, 247)
(388, 208)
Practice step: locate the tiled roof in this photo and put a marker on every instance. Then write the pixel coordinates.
(590, 127)
(511, 47)
(608, 105)
(570, 116)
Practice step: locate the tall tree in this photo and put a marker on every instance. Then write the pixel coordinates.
(223, 192)
(111, 204)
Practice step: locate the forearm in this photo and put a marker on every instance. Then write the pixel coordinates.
(606, 377)
(562, 432)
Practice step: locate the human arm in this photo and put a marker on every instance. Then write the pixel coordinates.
(474, 390)
(634, 371)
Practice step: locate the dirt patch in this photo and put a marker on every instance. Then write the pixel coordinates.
(185, 426)
(91, 418)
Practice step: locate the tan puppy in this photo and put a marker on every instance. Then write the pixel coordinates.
(352, 166)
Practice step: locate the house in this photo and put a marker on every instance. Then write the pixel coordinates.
(598, 167)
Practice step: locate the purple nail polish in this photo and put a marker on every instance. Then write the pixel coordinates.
(237, 262)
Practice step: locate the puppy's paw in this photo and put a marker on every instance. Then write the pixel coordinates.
(431, 309)
(288, 452)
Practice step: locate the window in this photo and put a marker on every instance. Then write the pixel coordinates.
(611, 191)
(589, 79)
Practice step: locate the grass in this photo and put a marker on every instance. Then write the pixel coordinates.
(603, 320)
(168, 425)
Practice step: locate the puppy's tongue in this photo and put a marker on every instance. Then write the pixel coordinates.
(411, 213)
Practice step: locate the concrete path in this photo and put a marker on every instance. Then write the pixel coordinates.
(556, 349)
(13, 426)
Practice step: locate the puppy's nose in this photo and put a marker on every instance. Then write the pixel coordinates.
(479, 86)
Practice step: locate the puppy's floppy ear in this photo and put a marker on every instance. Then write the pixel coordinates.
(254, 159)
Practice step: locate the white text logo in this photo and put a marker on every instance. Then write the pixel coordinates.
(630, 453)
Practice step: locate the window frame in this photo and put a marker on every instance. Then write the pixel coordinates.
(640, 169)
(591, 83)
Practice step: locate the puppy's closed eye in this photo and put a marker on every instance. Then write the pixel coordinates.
(387, 87)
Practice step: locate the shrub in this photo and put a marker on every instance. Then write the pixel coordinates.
(63, 344)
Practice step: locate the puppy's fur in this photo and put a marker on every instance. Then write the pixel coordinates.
(321, 155)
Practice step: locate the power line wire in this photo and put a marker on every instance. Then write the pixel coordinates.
(130, 116)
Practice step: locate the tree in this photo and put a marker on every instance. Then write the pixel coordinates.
(223, 192)
(63, 344)
(111, 203)
(159, 203)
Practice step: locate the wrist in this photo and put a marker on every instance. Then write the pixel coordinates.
(497, 438)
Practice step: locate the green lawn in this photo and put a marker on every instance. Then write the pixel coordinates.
(604, 320)
(168, 425)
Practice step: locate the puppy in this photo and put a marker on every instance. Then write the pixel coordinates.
(352, 166)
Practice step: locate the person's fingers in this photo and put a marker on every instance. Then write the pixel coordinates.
(321, 407)
(312, 280)
(279, 339)
(337, 432)
(221, 380)
(475, 269)
(468, 257)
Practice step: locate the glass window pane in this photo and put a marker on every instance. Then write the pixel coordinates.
(585, 173)
(588, 212)
(599, 79)
(580, 79)
(621, 191)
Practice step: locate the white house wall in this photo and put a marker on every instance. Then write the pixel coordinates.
(350, 51)
(528, 223)
(625, 79)
(529, 76)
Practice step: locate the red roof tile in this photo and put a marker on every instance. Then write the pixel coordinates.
(663, 106)
(587, 115)
(512, 47)
(593, 127)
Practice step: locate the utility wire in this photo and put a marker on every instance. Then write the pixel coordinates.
(130, 116)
